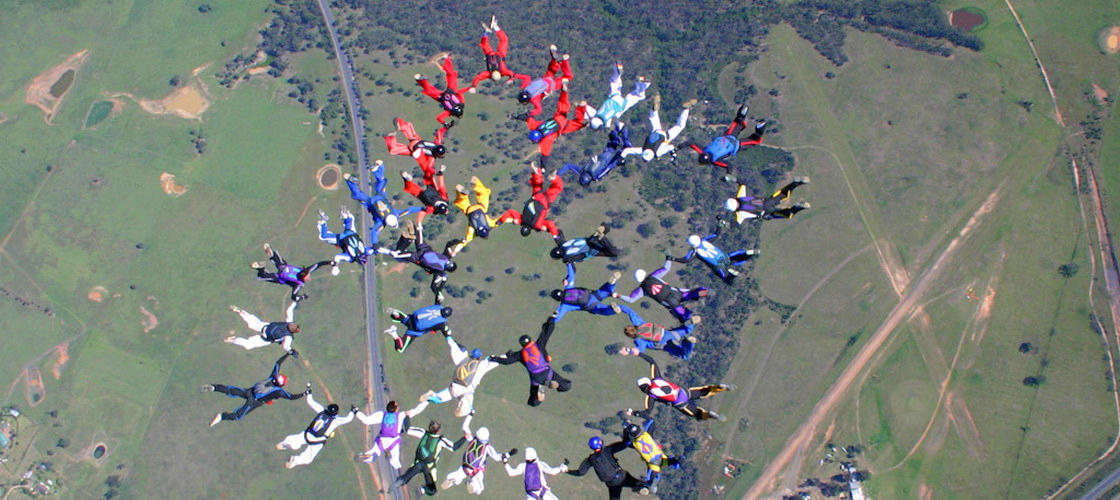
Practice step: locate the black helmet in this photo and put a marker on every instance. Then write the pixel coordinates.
(445, 312)
(451, 266)
(525, 230)
(440, 207)
(556, 253)
(438, 151)
(482, 232)
(631, 431)
(332, 409)
(557, 294)
(457, 110)
(524, 340)
(523, 96)
(705, 158)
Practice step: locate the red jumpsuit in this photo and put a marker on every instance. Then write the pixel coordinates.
(535, 213)
(544, 86)
(496, 60)
(558, 125)
(434, 192)
(448, 98)
(416, 146)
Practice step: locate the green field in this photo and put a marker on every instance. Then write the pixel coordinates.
(904, 148)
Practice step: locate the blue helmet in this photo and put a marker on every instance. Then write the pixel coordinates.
(595, 443)
(535, 135)
(476, 353)
(585, 178)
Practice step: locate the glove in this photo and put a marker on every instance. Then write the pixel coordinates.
(353, 409)
(629, 412)
(294, 353)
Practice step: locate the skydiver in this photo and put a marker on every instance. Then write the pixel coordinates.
(606, 467)
(573, 298)
(581, 249)
(479, 222)
(533, 91)
(353, 248)
(391, 422)
(616, 104)
(678, 342)
(261, 393)
(277, 332)
(431, 446)
(450, 99)
(495, 59)
(544, 133)
(746, 206)
(719, 261)
(534, 469)
(728, 144)
(423, 151)
(286, 274)
(659, 142)
(435, 263)
(430, 319)
(535, 214)
(534, 355)
(641, 439)
(670, 297)
(321, 428)
(597, 167)
(377, 203)
(473, 467)
(684, 400)
(433, 195)
(470, 367)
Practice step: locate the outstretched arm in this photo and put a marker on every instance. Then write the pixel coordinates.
(290, 314)
(654, 371)
(684, 260)
(546, 333)
(570, 280)
(584, 466)
(314, 404)
(373, 418)
(276, 367)
(509, 358)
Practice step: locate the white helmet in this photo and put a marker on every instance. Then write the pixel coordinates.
(647, 155)
(731, 204)
(596, 122)
(483, 434)
(530, 454)
(643, 381)
(640, 275)
(694, 241)
(496, 75)
(391, 220)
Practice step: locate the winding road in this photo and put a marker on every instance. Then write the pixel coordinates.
(377, 385)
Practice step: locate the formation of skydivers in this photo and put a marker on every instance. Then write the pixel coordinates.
(471, 364)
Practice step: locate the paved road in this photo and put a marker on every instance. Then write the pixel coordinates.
(378, 387)
(1103, 486)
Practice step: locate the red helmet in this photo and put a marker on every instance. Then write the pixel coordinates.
(280, 380)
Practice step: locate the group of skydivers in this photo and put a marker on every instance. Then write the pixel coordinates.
(471, 365)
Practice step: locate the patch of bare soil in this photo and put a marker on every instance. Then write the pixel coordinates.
(167, 181)
(47, 90)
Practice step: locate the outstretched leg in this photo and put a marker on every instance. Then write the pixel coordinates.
(449, 72)
(783, 193)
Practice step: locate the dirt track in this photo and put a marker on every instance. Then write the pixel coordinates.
(798, 442)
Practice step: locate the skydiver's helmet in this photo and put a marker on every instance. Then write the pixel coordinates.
(438, 151)
(595, 443)
(456, 110)
(332, 409)
(631, 432)
(483, 435)
(596, 123)
(482, 232)
(644, 384)
(585, 178)
(391, 406)
(523, 96)
(694, 241)
(476, 353)
(704, 158)
(280, 380)
(530, 454)
(440, 207)
(445, 312)
(640, 275)
(496, 75)
(556, 253)
(524, 341)
(557, 294)
(451, 266)
(731, 204)
(535, 135)
(433, 427)
(525, 230)
(648, 155)
(392, 220)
